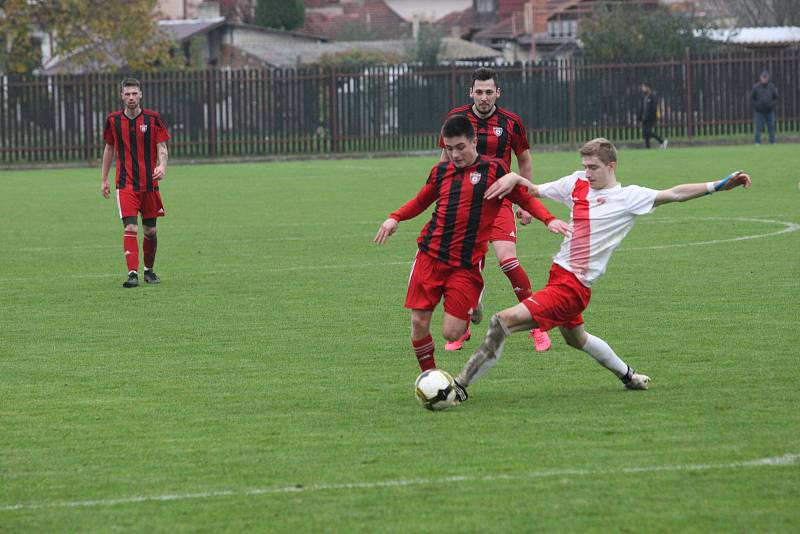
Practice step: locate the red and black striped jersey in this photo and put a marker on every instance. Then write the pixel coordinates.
(459, 229)
(135, 142)
(498, 134)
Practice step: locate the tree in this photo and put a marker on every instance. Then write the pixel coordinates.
(760, 12)
(427, 46)
(359, 58)
(242, 11)
(89, 32)
(616, 32)
(280, 14)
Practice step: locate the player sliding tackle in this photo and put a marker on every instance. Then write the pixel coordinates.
(602, 213)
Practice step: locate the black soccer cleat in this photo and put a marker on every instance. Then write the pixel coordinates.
(151, 277)
(132, 281)
(461, 393)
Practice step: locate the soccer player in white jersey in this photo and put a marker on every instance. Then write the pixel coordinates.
(602, 213)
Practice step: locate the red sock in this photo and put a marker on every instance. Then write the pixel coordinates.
(149, 246)
(130, 245)
(518, 278)
(423, 349)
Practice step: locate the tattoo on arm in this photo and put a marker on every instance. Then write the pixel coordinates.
(162, 154)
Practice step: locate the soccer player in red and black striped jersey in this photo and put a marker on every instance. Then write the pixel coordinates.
(138, 137)
(501, 133)
(453, 243)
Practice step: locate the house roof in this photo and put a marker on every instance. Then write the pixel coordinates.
(464, 22)
(771, 36)
(511, 18)
(180, 30)
(426, 9)
(453, 49)
(374, 15)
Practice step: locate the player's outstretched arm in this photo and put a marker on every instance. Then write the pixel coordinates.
(684, 192)
(507, 183)
(386, 229)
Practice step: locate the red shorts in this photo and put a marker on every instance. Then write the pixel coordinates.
(560, 302)
(130, 203)
(504, 227)
(431, 279)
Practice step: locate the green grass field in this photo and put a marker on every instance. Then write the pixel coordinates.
(266, 384)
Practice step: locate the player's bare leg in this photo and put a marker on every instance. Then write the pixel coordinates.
(149, 246)
(477, 311)
(598, 349)
(506, 252)
(455, 331)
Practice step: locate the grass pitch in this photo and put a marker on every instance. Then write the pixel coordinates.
(266, 384)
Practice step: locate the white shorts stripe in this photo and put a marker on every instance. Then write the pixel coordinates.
(119, 206)
(411, 273)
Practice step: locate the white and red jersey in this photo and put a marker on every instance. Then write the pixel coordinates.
(601, 218)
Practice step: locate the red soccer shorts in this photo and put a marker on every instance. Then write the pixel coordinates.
(132, 202)
(431, 279)
(504, 227)
(560, 302)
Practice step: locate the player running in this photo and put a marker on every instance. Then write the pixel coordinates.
(602, 213)
(500, 133)
(139, 138)
(452, 244)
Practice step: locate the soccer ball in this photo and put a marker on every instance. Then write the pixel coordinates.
(435, 389)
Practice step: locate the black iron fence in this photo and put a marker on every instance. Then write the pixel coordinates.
(213, 113)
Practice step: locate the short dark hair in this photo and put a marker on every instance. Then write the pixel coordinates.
(456, 126)
(483, 74)
(648, 85)
(131, 82)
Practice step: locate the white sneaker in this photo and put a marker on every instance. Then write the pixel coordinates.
(664, 144)
(638, 381)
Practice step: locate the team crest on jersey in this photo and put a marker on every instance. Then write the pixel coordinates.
(143, 127)
(475, 177)
(498, 131)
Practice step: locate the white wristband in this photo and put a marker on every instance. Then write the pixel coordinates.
(710, 186)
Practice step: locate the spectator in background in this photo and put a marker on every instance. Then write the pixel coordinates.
(648, 115)
(764, 97)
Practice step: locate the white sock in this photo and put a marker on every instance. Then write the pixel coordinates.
(605, 355)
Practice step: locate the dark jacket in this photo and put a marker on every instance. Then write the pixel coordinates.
(647, 108)
(764, 97)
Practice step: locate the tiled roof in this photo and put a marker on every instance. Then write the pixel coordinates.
(373, 15)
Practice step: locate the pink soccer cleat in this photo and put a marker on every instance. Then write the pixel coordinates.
(456, 345)
(541, 341)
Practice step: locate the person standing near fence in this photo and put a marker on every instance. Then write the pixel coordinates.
(648, 115)
(499, 132)
(139, 139)
(764, 97)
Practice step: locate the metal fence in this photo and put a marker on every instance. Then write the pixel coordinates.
(219, 113)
